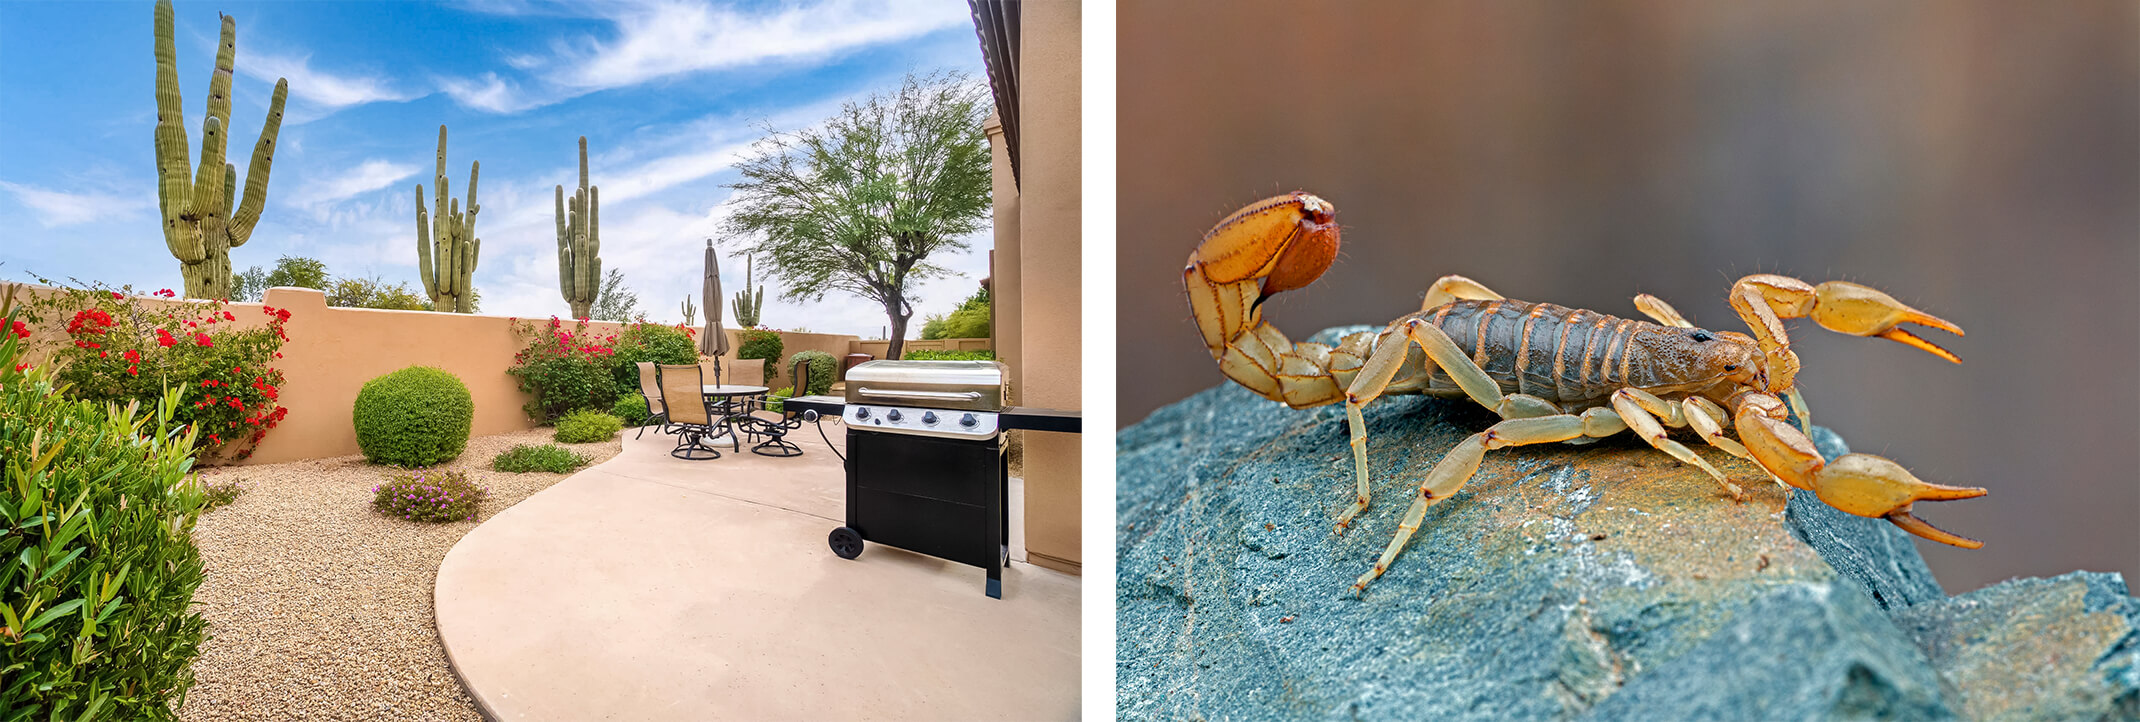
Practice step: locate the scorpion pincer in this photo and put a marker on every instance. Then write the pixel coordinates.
(1552, 373)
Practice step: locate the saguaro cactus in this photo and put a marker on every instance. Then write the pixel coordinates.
(690, 312)
(748, 305)
(451, 239)
(579, 243)
(200, 224)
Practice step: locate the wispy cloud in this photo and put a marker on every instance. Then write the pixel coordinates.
(318, 87)
(673, 37)
(55, 208)
(368, 176)
(489, 93)
(670, 38)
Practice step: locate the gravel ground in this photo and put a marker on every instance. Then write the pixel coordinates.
(319, 608)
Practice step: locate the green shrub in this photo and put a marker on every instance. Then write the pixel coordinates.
(969, 320)
(651, 342)
(429, 495)
(937, 355)
(219, 494)
(631, 410)
(547, 457)
(418, 416)
(96, 526)
(563, 370)
(821, 376)
(761, 343)
(581, 427)
(773, 400)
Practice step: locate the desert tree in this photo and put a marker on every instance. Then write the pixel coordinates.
(860, 203)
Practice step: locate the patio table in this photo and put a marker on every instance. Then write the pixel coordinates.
(725, 402)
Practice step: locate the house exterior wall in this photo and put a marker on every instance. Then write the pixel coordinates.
(1050, 256)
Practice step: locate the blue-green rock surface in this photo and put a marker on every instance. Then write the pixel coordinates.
(1599, 582)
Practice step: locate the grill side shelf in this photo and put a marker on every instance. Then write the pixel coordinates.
(1037, 419)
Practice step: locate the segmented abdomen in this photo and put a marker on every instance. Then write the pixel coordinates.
(1571, 356)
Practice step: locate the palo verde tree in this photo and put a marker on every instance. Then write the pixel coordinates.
(861, 202)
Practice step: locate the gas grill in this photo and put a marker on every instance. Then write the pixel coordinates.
(925, 465)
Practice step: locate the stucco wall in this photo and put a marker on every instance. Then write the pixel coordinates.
(1051, 257)
(333, 351)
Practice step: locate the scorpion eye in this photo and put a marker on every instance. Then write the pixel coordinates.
(1701, 336)
(1731, 367)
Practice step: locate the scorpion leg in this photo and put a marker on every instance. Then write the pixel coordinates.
(1642, 411)
(1374, 376)
(1456, 468)
(1708, 419)
(1861, 484)
(1764, 299)
(1661, 312)
(1445, 354)
(1452, 287)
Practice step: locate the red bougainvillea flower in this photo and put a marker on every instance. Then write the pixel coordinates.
(132, 355)
(20, 367)
(133, 370)
(21, 331)
(116, 295)
(227, 316)
(103, 354)
(201, 339)
(165, 292)
(163, 338)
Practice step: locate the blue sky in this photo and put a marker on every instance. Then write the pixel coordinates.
(669, 94)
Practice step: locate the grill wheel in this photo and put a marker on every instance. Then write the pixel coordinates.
(846, 542)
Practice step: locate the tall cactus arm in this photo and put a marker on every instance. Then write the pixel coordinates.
(564, 248)
(583, 161)
(173, 164)
(230, 190)
(423, 246)
(468, 269)
(208, 183)
(256, 176)
(449, 252)
(226, 56)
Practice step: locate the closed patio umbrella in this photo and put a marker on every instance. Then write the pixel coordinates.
(715, 341)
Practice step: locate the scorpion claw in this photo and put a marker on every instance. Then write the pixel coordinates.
(1903, 336)
(1846, 307)
(1871, 486)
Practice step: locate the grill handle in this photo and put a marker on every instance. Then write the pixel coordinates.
(967, 396)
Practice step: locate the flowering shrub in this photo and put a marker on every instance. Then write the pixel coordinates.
(762, 343)
(429, 495)
(218, 493)
(650, 342)
(120, 348)
(564, 370)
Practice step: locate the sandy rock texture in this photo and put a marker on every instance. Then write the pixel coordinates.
(319, 608)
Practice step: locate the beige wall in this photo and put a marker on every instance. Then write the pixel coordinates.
(1050, 259)
(878, 349)
(333, 351)
(1007, 287)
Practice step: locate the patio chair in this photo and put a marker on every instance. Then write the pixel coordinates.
(775, 433)
(650, 390)
(683, 394)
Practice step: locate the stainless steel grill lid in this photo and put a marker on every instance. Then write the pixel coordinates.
(963, 385)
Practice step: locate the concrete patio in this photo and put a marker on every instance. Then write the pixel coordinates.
(652, 588)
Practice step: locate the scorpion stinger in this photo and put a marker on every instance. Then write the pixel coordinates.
(1553, 373)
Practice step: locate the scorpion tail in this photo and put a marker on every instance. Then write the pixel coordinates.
(1277, 244)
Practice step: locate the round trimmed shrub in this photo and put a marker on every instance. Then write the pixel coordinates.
(418, 416)
(586, 426)
(821, 376)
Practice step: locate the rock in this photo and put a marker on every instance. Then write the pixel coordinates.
(2061, 648)
(1605, 581)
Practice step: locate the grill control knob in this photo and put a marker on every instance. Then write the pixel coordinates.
(928, 417)
(893, 416)
(861, 412)
(968, 421)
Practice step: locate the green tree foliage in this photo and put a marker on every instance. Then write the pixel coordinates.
(374, 293)
(615, 302)
(969, 320)
(861, 202)
(251, 285)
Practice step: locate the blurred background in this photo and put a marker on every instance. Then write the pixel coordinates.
(1979, 160)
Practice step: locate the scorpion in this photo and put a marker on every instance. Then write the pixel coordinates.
(1553, 373)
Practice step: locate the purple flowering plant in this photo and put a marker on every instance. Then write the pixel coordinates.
(429, 495)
